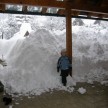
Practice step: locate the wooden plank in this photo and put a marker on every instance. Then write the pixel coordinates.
(99, 2)
(83, 5)
(80, 1)
(88, 8)
(43, 3)
(95, 15)
(100, 15)
(61, 12)
(105, 15)
(104, 3)
(89, 14)
(44, 10)
(80, 5)
(75, 13)
(2, 7)
(24, 9)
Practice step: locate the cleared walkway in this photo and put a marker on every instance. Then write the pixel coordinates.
(95, 97)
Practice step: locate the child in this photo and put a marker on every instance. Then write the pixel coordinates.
(64, 64)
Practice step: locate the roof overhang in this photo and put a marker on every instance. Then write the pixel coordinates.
(90, 9)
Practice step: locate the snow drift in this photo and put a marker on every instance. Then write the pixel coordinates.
(32, 64)
(32, 61)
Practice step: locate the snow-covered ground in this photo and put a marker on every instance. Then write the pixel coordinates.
(31, 61)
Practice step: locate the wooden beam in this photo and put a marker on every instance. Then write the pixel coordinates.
(78, 5)
(83, 5)
(43, 3)
(101, 16)
(99, 3)
(2, 7)
(75, 13)
(67, 0)
(80, 1)
(61, 12)
(88, 8)
(44, 10)
(89, 14)
(24, 9)
(104, 3)
(105, 16)
(68, 32)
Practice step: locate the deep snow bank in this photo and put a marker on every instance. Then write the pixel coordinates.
(32, 64)
(90, 54)
(32, 60)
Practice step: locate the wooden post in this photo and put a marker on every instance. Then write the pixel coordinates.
(68, 32)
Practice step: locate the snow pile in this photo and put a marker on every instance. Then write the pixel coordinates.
(82, 90)
(32, 61)
(90, 54)
(104, 83)
(66, 88)
(32, 64)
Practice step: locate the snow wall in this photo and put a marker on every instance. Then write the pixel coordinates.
(32, 61)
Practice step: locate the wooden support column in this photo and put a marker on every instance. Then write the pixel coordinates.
(68, 32)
